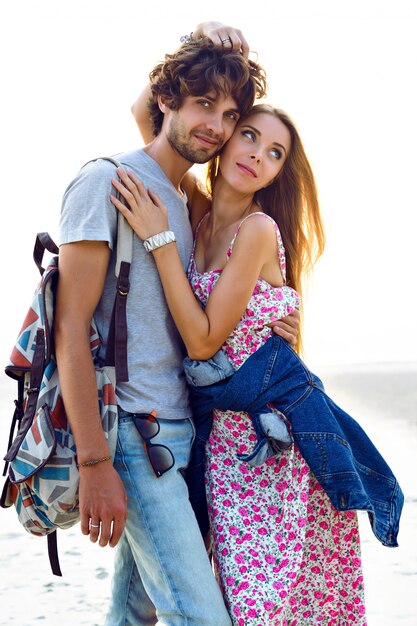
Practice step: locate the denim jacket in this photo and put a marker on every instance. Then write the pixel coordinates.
(339, 453)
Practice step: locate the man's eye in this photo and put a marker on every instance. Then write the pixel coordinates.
(204, 103)
(232, 116)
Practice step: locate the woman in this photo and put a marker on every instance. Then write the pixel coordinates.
(282, 553)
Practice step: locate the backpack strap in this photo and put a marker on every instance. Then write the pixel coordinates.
(53, 553)
(43, 242)
(116, 350)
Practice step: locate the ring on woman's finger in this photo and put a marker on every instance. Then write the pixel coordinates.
(94, 525)
(226, 40)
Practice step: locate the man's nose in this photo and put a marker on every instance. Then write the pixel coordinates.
(216, 124)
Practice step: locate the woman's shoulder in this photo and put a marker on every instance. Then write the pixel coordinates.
(257, 224)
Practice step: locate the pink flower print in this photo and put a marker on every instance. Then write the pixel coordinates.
(227, 503)
(243, 512)
(225, 552)
(255, 563)
(268, 606)
(262, 531)
(278, 537)
(280, 486)
(277, 585)
(234, 530)
(264, 483)
(227, 462)
(257, 518)
(250, 601)
(272, 510)
(269, 558)
(235, 486)
(230, 581)
(301, 522)
(253, 552)
(298, 547)
(261, 577)
(239, 558)
(243, 569)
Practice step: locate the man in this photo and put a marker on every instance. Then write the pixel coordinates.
(161, 567)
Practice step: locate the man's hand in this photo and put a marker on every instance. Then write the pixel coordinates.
(103, 504)
(223, 36)
(288, 327)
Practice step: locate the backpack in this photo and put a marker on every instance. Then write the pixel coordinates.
(41, 465)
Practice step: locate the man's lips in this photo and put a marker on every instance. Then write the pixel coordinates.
(208, 142)
(247, 169)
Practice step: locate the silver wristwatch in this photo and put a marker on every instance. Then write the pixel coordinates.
(156, 241)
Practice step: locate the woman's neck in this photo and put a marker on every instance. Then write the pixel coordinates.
(229, 205)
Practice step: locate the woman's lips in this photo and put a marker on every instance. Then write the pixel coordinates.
(247, 170)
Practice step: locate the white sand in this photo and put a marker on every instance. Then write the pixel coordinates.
(383, 399)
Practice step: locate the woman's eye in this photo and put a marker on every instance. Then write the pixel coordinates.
(248, 134)
(277, 154)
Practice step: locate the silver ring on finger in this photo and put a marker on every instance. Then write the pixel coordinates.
(94, 525)
(227, 40)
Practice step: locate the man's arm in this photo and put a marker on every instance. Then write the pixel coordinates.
(82, 271)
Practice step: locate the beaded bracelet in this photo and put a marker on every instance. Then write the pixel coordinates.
(94, 461)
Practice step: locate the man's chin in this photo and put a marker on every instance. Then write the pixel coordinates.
(204, 154)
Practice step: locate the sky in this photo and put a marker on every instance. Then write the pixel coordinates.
(344, 71)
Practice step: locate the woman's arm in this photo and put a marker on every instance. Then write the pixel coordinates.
(203, 331)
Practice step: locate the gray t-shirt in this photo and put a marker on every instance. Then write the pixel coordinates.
(155, 350)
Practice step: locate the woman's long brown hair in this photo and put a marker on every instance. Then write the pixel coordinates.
(292, 201)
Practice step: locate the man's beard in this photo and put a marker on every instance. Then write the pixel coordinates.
(181, 143)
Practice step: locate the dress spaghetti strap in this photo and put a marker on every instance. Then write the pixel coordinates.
(281, 249)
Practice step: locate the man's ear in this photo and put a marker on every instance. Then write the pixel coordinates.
(162, 106)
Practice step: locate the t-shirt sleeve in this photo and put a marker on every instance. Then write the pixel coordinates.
(87, 213)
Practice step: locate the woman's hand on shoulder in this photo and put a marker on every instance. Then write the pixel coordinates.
(146, 213)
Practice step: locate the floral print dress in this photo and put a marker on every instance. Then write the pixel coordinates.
(282, 554)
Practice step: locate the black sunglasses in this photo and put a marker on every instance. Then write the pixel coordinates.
(160, 457)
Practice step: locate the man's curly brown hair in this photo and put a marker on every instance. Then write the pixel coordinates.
(198, 68)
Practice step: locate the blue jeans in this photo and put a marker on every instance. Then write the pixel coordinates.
(162, 571)
(339, 453)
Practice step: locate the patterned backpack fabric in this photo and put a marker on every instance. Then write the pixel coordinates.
(41, 465)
